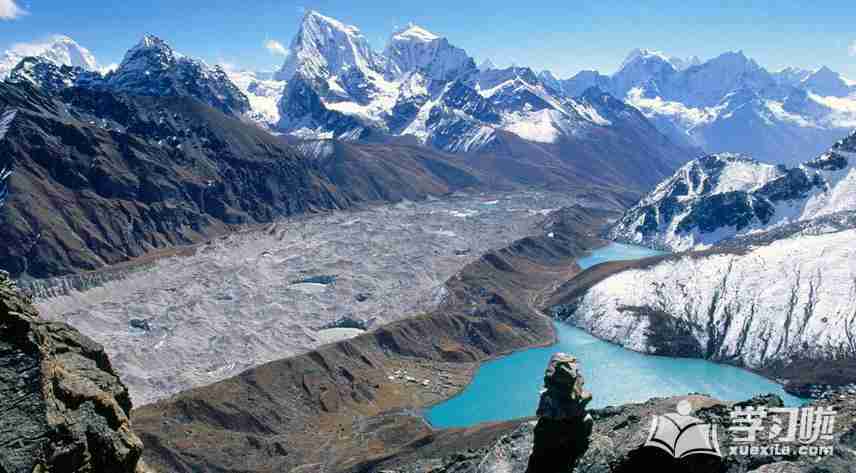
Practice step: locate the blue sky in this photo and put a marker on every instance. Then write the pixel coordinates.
(563, 36)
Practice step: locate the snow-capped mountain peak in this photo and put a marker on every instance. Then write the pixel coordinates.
(681, 64)
(654, 56)
(487, 65)
(153, 68)
(791, 76)
(414, 32)
(65, 50)
(150, 51)
(416, 49)
(643, 54)
(327, 47)
(826, 82)
(59, 50)
(642, 67)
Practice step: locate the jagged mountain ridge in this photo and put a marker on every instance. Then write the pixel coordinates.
(153, 68)
(150, 68)
(421, 86)
(722, 196)
(732, 104)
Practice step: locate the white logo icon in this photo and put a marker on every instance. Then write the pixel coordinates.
(680, 435)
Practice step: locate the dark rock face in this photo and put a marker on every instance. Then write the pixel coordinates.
(152, 68)
(347, 321)
(828, 162)
(563, 429)
(63, 407)
(89, 178)
(301, 103)
(732, 209)
(50, 77)
(99, 178)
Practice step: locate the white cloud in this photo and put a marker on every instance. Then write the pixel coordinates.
(275, 47)
(33, 48)
(9, 10)
(852, 49)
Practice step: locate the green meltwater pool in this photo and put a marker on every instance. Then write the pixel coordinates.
(509, 387)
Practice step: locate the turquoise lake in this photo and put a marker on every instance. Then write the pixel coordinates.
(509, 387)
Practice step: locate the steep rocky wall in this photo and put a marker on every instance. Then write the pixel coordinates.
(63, 407)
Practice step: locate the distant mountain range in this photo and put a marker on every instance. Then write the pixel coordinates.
(730, 103)
(421, 86)
(335, 85)
(100, 167)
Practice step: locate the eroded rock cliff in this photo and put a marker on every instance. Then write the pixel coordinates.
(62, 407)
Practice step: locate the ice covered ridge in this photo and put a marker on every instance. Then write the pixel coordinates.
(723, 196)
(794, 297)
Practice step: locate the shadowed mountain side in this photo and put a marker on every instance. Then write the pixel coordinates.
(342, 406)
(98, 179)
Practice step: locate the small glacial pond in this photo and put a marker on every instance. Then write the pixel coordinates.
(509, 387)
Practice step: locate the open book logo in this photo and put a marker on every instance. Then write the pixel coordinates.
(682, 435)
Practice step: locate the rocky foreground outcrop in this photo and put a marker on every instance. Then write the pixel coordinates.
(563, 429)
(62, 407)
(616, 442)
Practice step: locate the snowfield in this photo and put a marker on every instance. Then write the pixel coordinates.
(795, 296)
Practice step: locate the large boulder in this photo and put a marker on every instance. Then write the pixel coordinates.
(63, 407)
(563, 429)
